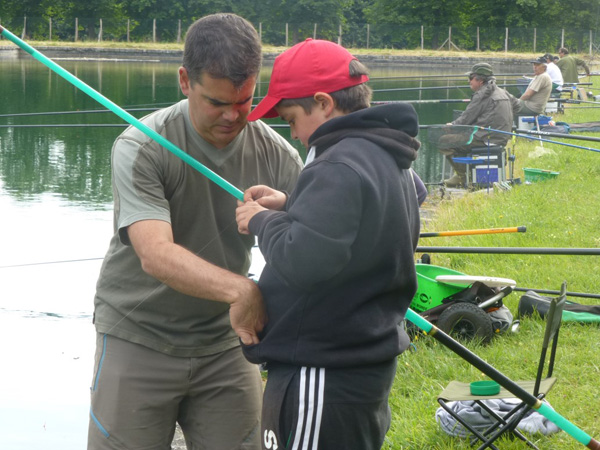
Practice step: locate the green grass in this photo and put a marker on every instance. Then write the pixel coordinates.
(563, 212)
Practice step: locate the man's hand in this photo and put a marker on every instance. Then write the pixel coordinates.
(266, 196)
(247, 314)
(245, 212)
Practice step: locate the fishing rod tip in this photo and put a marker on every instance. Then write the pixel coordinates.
(522, 229)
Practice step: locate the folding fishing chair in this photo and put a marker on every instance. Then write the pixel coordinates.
(457, 391)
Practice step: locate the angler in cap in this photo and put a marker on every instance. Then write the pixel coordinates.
(340, 271)
(554, 72)
(534, 100)
(490, 106)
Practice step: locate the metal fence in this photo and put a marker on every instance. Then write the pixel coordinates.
(351, 35)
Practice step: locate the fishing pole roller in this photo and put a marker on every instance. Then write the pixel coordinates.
(484, 387)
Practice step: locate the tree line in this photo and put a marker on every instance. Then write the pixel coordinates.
(466, 24)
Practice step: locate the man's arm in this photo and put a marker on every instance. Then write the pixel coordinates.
(581, 62)
(528, 94)
(187, 273)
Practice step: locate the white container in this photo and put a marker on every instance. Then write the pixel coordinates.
(526, 125)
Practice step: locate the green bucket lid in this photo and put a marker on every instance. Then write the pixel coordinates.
(485, 387)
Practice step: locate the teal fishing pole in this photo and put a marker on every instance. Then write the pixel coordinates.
(230, 188)
(419, 321)
(532, 401)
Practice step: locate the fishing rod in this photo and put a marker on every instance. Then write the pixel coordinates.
(512, 250)
(462, 75)
(560, 135)
(521, 229)
(537, 139)
(89, 111)
(546, 411)
(547, 291)
(531, 401)
(66, 125)
(430, 88)
(124, 115)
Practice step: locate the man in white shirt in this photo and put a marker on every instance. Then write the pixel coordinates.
(554, 72)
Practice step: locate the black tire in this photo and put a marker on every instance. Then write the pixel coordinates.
(466, 321)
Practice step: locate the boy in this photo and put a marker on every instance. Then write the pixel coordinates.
(340, 272)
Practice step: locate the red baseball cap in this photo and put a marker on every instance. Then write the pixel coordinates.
(303, 70)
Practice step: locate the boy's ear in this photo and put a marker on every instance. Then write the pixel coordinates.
(326, 102)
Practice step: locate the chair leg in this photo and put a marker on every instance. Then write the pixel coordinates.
(506, 424)
(475, 433)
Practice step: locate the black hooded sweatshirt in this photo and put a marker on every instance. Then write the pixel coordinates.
(340, 269)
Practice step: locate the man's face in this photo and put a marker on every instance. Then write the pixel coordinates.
(539, 69)
(475, 83)
(218, 110)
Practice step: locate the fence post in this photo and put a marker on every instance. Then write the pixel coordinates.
(562, 38)
(478, 39)
(422, 38)
(287, 32)
(449, 38)
(154, 30)
(128, 28)
(179, 31)
(50, 28)
(315, 31)
(100, 32)
(76, 29)
(591, 36)
(368, 34)
(340, 34)
(534, 39)
(506, 41)
(260, 31)
(24, 27)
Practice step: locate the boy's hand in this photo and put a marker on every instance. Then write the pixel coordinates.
(245, 212)
(266, 196)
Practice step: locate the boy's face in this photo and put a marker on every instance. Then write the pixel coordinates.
(302, 125)
(218, 110)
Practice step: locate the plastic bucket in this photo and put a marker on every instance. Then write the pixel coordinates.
(430, 293)
(534, 175)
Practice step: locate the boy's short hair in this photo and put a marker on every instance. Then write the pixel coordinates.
(315, 66)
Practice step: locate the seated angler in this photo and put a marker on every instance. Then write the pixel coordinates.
(490, 106)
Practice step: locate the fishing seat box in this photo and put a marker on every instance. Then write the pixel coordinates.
(485, 165)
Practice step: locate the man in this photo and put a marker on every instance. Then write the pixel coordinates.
(569, 66)
(173, 294)
(534, 100)
(554, 73)
(489, 107)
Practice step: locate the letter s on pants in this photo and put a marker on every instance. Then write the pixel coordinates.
(270, 440)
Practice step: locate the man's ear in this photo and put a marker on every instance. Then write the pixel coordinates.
(184, 81)
(325, 102)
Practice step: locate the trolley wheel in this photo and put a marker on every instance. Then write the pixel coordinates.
(466, 321)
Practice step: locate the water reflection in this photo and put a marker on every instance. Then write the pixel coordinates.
(56, 203)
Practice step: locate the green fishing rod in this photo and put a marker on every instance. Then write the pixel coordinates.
(230, 188)
(419, 321)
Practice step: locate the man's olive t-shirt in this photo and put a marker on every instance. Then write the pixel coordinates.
(149, 182)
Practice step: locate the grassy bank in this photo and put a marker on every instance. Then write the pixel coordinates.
(145, 46)
(563, 212)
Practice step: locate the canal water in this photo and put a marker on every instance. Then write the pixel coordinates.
(56, 221)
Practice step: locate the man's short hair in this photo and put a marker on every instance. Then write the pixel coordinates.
(563, 50)
(348, 100)
(222, 46)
